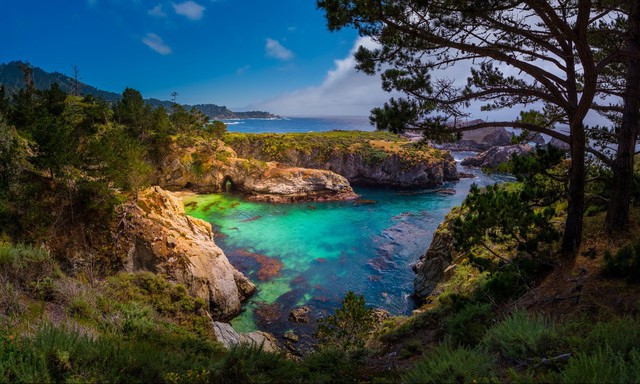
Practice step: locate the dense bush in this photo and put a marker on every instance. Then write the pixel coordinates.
(468, 325)
(625, 263)
(451, 365)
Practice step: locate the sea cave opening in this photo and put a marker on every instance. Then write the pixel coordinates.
(227, 185)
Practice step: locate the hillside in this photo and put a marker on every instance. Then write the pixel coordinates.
(11, 76)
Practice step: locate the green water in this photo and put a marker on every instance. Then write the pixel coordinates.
(326, 249)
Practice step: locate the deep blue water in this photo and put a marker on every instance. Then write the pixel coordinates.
(299, 124)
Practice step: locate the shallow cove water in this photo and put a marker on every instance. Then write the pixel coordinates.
(313, 253)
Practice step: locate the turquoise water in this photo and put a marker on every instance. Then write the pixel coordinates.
(313, 253)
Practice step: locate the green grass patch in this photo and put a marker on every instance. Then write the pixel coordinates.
(521, 336)
(451, 365)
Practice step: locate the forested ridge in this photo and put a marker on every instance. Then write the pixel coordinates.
(11, 76)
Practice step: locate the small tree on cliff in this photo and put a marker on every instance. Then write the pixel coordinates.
(349, 327)
(521, 52)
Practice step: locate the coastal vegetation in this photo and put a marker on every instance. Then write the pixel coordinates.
(536, 279)
(373, 146)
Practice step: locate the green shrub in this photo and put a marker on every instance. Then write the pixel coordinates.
(468, 325)
(618, 335)
(625, 263)
(329, 365)
(27, 266)
(412, 348)
(139, 319)
(250, 364)
(349, 327)
(602, 366)
(447, 365)
(520, 336)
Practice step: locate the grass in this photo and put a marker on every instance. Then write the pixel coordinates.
(445, 364)
(521, 336)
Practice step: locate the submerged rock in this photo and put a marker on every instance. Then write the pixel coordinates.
(156, 235)
(291, 337)
(229, 337)
(300, 315)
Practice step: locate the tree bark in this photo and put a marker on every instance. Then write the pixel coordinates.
(618, 211)
(575, 210)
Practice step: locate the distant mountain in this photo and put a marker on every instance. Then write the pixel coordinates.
(12, 78)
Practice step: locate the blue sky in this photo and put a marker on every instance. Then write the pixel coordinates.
(276, 55)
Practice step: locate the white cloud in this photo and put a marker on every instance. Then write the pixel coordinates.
(189, 9)
(157, 11)
(344, 91)
(274, 49)
(242, 70)
(156, 43)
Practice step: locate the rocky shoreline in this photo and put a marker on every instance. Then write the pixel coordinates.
(160, 238)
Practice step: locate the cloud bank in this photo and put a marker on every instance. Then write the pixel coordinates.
(274, 49)
(344, 91)
(156, 43)
(189, 9)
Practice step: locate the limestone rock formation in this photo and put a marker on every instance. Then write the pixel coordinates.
(210, 166)
(495, 156)
(275, 182)
(228, 336)
(364, 160)
(158, 236)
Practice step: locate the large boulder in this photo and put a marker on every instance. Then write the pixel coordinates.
(495, 156)
(157, 236)
(229, 337)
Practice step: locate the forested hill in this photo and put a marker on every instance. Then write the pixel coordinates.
(12, 77)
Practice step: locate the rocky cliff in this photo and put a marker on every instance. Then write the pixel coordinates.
(211, 166)
(432, 266)
(157, 236)
(495, 156)
(369, 158)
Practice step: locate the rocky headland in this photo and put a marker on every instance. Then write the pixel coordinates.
(365, 158)
(210, 166)
(494, 156)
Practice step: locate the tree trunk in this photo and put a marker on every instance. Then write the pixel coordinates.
(575, 211)
(618, 210)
